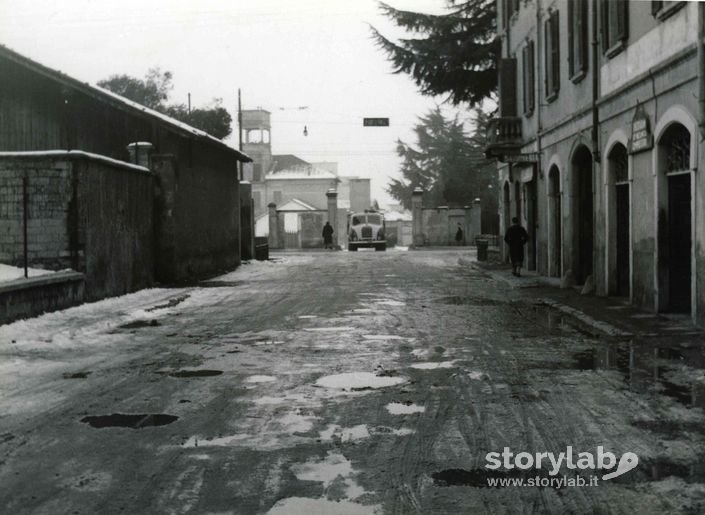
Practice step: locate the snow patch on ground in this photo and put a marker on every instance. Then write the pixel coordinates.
(260, 379)
(397, 408)
(383, 337)
(344, 434)
(306, 506)
(434, 365)
(11, 273)
(358, 380)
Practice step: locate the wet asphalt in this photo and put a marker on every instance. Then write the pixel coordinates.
(348, 383)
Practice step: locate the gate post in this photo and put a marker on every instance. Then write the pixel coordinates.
(416, 215)
(273, 226)
(333, 214)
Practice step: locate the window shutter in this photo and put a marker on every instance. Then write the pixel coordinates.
(531, 69)
(555, 55)
(583, 34)
(507, 87)
(622, 11)
(573, 36)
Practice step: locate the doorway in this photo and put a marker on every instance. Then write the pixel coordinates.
(618, 161)
(583, 240)
(554, 207)
(679, 248)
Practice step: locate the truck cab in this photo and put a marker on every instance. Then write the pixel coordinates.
(366, 230)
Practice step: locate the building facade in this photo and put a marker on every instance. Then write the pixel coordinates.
(598, 142)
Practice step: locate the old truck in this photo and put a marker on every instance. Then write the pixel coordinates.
(366, 230)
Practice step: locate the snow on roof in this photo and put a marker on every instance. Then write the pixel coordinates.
(395, 216)
(74, 153)
(301, 172)
(101, 92)
(296, 205)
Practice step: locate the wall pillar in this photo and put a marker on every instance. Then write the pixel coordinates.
(475, 220)
(273, 226)
(416, 217)
(333, 214)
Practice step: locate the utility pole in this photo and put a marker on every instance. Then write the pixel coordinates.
(239, 129)
(189, 103)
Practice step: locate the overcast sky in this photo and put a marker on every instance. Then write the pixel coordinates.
(283, 54)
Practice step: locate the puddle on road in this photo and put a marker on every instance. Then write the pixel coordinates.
(457, 300)
(132, 421)
(389, 302)
(260, 379)
(358, 381)
(384, 337)
(476, 477)
(433, 365)
(330, 329)
(169, 304)
(399, 408)
(137, 324)
(219, 284)
(307, 506)
(195, 373)
(76, 375)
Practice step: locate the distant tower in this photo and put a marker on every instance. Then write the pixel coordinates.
(256, 143)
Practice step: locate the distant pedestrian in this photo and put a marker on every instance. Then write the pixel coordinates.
(459, 235)
(516, 237)
(328, 236)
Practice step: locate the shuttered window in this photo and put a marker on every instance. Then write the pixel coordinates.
(615, 25)
(552, 56)
(577, 38)
(527, 68)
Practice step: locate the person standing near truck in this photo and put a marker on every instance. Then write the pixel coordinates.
(328, 236)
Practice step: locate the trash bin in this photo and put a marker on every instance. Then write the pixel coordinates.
(481, 249)
(261, 249)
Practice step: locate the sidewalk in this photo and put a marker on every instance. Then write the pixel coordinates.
(607, 316)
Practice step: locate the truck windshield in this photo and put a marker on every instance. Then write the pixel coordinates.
(374, 219)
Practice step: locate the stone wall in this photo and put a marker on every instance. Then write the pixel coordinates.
(26, 298)
(85, 212)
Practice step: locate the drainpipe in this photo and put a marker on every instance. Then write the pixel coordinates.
(596, 154)
(701, 68)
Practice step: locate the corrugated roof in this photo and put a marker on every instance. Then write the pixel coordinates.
(118, 101)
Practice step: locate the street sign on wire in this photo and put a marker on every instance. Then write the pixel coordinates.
(375, 122)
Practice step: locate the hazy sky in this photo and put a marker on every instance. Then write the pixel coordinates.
(283, 54)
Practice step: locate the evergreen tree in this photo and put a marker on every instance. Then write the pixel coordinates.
(446, 162)
(454, 54)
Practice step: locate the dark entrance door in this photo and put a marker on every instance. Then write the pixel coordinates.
(679, 243)
(530, 197)
(583, 169)
(622, 215)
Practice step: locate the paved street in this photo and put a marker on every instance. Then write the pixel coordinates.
(346, 383)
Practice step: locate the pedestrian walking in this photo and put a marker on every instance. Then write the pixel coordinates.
(516, 237)
(459, 235)
(328, 236)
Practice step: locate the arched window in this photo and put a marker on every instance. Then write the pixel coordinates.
(676, 146)
(619, 164)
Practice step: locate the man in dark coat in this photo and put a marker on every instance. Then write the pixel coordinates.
(328, 236)
(459, 235)
(516, 237)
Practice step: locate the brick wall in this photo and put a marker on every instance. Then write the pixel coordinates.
(85, 212)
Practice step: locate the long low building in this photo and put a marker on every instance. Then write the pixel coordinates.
(194, 189)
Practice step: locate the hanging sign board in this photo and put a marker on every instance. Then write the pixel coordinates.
(641, 139)
(375, 122)
(529, 157)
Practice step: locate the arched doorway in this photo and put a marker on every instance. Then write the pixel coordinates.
(618, 163)
(554, 222)
(675, 220)
(517, 200)
(583, 207)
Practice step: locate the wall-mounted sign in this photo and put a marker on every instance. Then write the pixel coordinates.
(529, 157)
(642, 138)
(375, 122)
